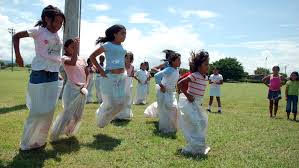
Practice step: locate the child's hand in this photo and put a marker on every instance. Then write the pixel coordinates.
(77, 41)
(286, 98)
(162, 88)
(60, 77)
(84, 91)
(102, 73)
(190, 98)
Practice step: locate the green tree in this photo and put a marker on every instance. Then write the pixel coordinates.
(230, 68)
(262, 71)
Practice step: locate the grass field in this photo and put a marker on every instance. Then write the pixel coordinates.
(243, 136)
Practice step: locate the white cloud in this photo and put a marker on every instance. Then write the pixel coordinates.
(142, 18)
(16, 2)
(203, 14)
(100, 7)
(171, 10)
(278, 52)
(149, 46)
(26, 44)
(57, 3)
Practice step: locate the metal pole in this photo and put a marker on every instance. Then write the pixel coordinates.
(12, 32)
(72, 15)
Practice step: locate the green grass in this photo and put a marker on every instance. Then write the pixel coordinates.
(243, 136)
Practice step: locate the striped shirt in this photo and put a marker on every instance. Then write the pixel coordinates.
(197, 85)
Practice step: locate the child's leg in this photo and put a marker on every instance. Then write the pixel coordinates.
(288, 108)
(271, 107)
(210, 103)
(219, 104)
(275, 107)
(295, 102)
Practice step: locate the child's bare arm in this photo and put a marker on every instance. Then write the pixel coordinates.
(73, 60)
(180, 88)
(93, 59)
(16, 43)
(265, 79)
(286, 92)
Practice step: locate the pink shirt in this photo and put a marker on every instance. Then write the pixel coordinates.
(130, 70)
(76, 74)
(197, 85)
(274, 83)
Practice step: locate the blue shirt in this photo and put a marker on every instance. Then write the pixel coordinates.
(115, 56)
(167, 71)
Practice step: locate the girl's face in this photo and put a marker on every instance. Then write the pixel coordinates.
(54, 25)
(215, 72)
(204, 67)
(120, 36)
(177, 62)
(293, 76)
(102, 59)
(143, 67)
(70, 49)
(275, 71)
(128, 60)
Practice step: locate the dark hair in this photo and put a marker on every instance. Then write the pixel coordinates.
(147, 65)
(102, 56)
(173, 57)
(168, 53)
(276, 67)
(89, 62)
(50, 12)
(197, 59)
(295, 73)
(67, 43)
(109, 33)
(131, 55)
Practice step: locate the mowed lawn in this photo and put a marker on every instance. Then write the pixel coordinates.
(243, 136)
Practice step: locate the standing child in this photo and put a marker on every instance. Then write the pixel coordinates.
(215, 81)
(98, 80)
(274, 95)
(75, 92)
(141, 92)
(148, 77)
(193, 119)
(114, 82)
(91, 82)
(167, 104)
(43, 88)
(126, 113)
(291, 93)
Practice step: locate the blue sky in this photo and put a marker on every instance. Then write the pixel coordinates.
(247, 30)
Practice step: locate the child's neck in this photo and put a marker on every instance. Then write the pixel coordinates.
(127, 65)
(116, 42)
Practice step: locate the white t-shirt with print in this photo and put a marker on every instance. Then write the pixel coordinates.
(215, 78)
(47, 49)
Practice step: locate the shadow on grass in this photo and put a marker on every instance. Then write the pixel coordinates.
(157, 132)
(191, 156)
(120, 123)
(214, 112)
(13, 108)
(36, 158)
(104, 142)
